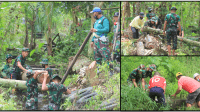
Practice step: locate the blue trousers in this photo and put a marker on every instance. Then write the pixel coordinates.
(135, 33)
(157, 91)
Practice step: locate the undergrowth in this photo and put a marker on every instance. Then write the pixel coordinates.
(166, 66)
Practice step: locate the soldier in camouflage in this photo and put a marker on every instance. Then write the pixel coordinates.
(158, 21)
(149, 70)
(45, 63)
(148, 14)
(19, 63)
(55, 91)
(6, 71)
(136, 76)
(32, 90)
(151, 23)
(117, 45)
(171, 21)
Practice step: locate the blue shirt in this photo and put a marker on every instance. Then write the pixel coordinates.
(101, 27)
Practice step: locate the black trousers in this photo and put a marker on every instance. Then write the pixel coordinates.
(135, 33)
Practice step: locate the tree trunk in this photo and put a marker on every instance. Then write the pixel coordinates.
(90, 50)
(134, 9)
(127, 12)
(18, 84)
(137, 8)
(123, 14)
(49, 13)
(158, 31)
(26, 25)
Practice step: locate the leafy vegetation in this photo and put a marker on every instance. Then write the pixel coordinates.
(35, 24)
(167, 67)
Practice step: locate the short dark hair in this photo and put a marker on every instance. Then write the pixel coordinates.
(156, 73)
(100, 12)
(180, 76)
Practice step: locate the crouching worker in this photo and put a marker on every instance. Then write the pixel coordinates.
(191, 86)
(32, 90)
(7, 69)
(55, 91)
(157, 86)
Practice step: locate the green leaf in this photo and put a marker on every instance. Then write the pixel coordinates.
(31, 53)
(40, 45)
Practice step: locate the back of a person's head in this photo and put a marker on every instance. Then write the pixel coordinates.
(157, 73)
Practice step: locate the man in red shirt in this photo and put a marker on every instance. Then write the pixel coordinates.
(190, 85)
(157, 86)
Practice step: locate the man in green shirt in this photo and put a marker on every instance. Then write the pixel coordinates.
(19, 63)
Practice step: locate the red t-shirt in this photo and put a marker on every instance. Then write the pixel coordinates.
(188, 84)
(157, 81)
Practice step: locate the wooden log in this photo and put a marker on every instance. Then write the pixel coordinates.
(18, 84)
(195, 43)
(160, 32)
(40, 77)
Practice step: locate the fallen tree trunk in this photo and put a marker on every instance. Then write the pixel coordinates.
(195, 43)
(160, 32)
(18, 84)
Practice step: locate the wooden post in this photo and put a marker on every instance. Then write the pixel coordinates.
(76, 56)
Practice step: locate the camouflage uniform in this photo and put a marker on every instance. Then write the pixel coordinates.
(101, 47)
(16, 72)
(117, 45)
(7, 70)
(135, 74)
(46, 62)
(178, 30)
(148, 14)
(32, 94)
(172, 21)
(49, 72)
(149, 24)
(55, 91)
(149, 72)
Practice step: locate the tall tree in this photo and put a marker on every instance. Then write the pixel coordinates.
(133, 9)
(49, 14)
(138, 8)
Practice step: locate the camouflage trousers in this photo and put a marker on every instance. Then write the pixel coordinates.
(101, 51)
(172, 34)
(53, 106)
(32, 104)
(117, 50)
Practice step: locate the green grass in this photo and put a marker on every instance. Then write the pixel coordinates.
(166, 66)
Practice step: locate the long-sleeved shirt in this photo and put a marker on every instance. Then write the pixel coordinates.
(137, 23)
(102, 27)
